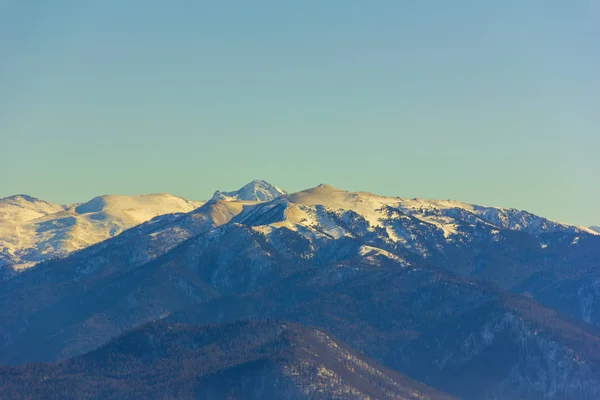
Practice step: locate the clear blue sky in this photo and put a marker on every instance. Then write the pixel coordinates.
(490, 102)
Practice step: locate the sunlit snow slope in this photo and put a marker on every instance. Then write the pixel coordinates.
(33, 230)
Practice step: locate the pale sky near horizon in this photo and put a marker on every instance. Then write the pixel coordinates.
(489, 102)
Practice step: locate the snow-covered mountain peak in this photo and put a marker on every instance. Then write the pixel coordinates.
(19, 198)
(257, 190)
(323, 194)
(96, 204)
(21, 207)
(141, 204)
(325, 186)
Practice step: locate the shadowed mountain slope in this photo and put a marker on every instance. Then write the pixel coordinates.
(254, 360)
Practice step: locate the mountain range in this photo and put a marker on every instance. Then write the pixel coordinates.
(476, 302)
